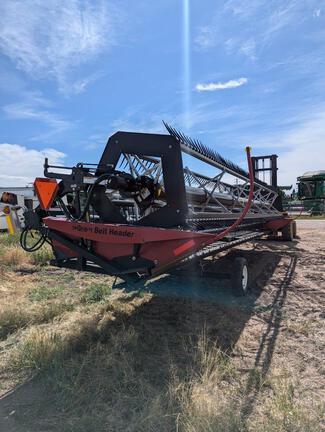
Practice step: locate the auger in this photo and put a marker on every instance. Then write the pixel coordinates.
(139, 212)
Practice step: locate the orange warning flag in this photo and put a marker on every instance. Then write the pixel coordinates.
(46, 190)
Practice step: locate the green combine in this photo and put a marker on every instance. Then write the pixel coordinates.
(311, 190)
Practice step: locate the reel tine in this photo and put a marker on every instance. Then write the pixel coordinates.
(197, 146)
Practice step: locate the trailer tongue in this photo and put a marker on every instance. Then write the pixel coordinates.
(139, 212)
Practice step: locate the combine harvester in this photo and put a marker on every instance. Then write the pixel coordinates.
(139, 212)
(311, 191)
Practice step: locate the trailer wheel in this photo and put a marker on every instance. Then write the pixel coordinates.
(239, 276)
(288, 232)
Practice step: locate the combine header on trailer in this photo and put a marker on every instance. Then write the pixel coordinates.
(139, 212)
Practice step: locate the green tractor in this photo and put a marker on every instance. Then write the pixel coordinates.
(311, 190)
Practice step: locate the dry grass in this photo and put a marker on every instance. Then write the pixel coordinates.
(37, 351)
(14, 256)
(42, 256)
(210, 397)
(112, 387)
(282, 409)
(303, 327)
(12, 318)
(136, 363)
(18, 316)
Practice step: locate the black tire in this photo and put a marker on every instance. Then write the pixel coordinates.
(239, 276)
(288, 232)
(294, 228)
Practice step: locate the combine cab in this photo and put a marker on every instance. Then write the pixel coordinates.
(311, 190)
(139, 211)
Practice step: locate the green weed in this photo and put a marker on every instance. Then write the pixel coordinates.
(38, 351)
(43, 292)
(42, 256)
(7, 240)
(96, 292)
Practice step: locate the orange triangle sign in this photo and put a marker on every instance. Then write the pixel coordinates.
(46, 190)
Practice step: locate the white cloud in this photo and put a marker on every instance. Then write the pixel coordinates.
(221, 86)
(244, 8)
(280, 19)
(19, 165)
(96, 141)
(256, 23)
(243, 47)
(248, 48)
(80, 85)
(35, 107)
(25, 111)
(139, 118)
(300, 148)
(49, 39)
(206, 38)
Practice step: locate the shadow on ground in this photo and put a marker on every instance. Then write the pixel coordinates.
(184, 305)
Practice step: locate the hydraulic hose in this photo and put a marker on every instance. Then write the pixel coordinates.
(249, 201)
(38, 243)
(90, 193)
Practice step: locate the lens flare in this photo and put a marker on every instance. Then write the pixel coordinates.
(186, 64)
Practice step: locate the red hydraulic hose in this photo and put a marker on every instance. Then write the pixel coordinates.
(249, 201)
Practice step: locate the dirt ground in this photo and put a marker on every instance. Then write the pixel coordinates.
(277, 329)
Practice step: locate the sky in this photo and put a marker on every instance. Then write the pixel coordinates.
(230, 73)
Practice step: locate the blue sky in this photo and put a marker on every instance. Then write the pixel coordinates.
(72, 72)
